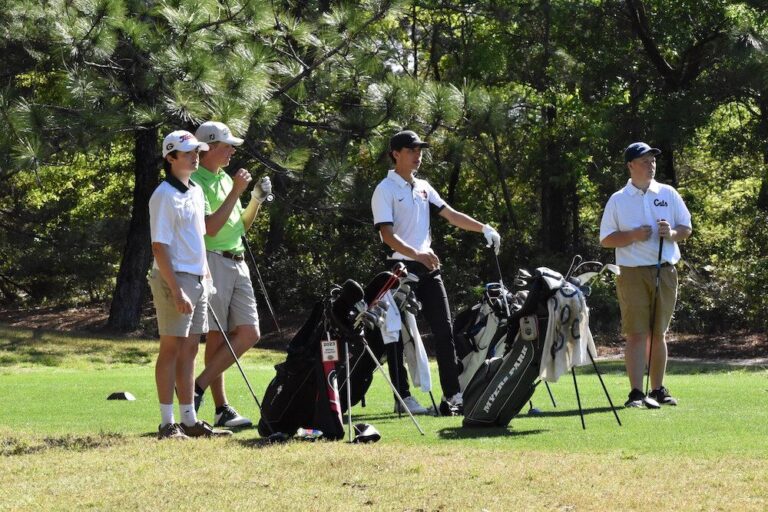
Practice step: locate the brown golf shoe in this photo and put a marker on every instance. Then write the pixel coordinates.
(204, 429)
(171, 431)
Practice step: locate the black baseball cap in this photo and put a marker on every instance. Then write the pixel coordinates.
(638, 149)
(406, 139)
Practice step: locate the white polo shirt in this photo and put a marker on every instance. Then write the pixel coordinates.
(177, 219)
(406, 207)
(630, 208)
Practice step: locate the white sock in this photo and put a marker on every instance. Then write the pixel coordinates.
(166, 414)
(188, 414)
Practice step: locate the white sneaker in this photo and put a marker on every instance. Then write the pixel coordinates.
(413, 406)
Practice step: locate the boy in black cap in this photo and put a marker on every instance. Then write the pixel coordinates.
(401, 207)
(639, 219)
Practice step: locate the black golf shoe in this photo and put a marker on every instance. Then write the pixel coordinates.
(198, 398)
(227, 416)
(662, 396)
(635, 398)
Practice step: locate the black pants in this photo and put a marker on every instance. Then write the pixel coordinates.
(430, 291)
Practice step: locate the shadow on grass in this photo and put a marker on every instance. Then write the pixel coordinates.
(12, 446)
(52, 348)
(561, 413)
(481, 432)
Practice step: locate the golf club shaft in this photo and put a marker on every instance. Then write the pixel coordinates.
(237, 362)
(391, 386)
(653, 314)
(501, 282)
(261, 285)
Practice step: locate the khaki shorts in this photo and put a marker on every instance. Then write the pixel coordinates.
(169, 321)
(635, 287)
(234, 302)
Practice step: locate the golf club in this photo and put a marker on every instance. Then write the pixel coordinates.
(261, 284)
(653, 320)
(237, 362)
(574, 262)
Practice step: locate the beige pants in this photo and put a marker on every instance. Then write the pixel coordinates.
(169, 321)
(635, 287)
(234, 302)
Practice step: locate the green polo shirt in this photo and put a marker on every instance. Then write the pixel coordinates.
(216, 187)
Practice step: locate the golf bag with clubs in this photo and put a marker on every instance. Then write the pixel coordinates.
(480, 332)
(504, 383)
(305, 390)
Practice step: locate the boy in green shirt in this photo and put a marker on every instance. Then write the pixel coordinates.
(226, 221)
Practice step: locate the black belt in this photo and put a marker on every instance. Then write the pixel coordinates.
(665, 264)
(232, 256)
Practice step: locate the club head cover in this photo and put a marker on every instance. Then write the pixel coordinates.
(343, 307)
(366, 433)
(377, 285)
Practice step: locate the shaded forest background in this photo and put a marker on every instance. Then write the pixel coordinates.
(528, 105)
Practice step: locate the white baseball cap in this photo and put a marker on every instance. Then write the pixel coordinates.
(214, 131)
(181, 140)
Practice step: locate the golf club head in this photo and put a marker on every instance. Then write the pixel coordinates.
(520, 283)
(523, 274)
(574, 262)
(650, 403)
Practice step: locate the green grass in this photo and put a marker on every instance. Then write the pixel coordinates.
(64, 445)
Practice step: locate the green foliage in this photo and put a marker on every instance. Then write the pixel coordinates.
(528, 106)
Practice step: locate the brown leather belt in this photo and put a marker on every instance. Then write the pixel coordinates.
(230, 255)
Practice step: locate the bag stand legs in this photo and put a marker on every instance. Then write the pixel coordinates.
(605, 390)
(386, 377)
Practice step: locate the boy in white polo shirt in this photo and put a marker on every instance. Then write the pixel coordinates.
(178, 283)
(637, 219)
(401, 207)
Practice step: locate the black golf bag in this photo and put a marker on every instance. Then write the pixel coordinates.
(503, 384)
(305, 391)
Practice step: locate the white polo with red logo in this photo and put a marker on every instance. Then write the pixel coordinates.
(630, 208)
(406, 207)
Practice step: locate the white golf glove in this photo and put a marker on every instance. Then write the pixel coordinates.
(262, 190)
(208, 286)
(492, 237)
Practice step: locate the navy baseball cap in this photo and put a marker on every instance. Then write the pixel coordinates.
(638, 149)
(406, 139)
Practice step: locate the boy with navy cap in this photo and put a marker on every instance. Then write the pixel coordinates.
(637, 220)
(401, 207)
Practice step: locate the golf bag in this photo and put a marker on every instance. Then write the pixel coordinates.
(305, 392)
(503, 384)
(480, 332)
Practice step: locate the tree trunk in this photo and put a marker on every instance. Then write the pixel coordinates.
(762, 131)
(555, 192)
(665, 169)
(131, 287)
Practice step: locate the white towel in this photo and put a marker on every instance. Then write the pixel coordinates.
(415, 354)
(392, 320)
(568, 337)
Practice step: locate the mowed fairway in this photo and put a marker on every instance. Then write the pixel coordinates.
(64, 446)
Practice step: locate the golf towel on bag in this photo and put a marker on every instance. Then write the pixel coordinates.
(415, 354)
(568, 336)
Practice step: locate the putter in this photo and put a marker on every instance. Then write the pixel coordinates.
(648, 401)
(237, 362)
